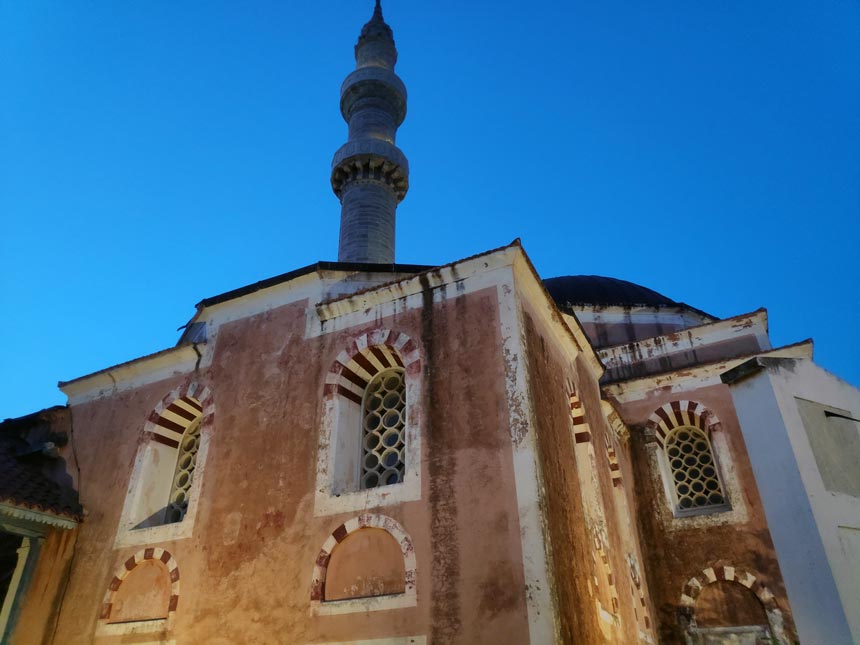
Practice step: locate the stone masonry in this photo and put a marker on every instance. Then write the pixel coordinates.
(370, 175)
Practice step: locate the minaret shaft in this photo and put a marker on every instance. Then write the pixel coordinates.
(370, 175)
(367, 224)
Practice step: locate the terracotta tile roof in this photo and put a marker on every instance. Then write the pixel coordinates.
(24, 482)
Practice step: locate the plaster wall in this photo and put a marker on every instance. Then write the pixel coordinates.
(608, 326)
(679, 548)
(577, 504)
(565, 532)
(809, 523)
(41, 603)
(245, 571)
(107, 433)
(738, 336)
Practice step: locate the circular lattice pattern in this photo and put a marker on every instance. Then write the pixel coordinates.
(383, 421)
(186, 461)
(694, 473)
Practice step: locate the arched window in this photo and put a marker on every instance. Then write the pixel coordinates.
(383, 440)
(165, 483)
(370, 439)
(169, 463)
(694, 473)
(183, 475)
(688, 461)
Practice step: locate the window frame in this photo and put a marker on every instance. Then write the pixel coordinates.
(339, 451)
(677, 415)
(669, 478)
(142, 473)
(363, 430)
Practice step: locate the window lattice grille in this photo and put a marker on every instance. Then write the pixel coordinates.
(694, 473)
(186, 462)
(383, 423)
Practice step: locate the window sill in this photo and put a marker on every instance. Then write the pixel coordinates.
(133, 627)
(408, 490)
(361, 605)
(126, 537)
(704, 510)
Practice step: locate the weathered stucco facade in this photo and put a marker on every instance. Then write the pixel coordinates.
(386, 454)
(532, 506)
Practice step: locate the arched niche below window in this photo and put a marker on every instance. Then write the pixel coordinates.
(144, 594)
(367, 563)
(728, 604)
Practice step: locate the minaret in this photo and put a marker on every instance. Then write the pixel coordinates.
(369, 174)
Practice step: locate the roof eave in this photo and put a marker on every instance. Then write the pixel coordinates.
(19, 511)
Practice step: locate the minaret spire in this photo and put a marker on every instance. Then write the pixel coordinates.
(370, 175)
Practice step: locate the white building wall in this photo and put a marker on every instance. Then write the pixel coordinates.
(814, 529)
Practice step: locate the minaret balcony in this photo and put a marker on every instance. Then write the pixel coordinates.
(373, 82)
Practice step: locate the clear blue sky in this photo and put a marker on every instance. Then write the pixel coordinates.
(156, 153)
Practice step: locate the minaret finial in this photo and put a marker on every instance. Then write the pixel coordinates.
(370, 175)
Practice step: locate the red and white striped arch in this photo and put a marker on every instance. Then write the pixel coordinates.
(367, 520)
(365, 357)
(694, 586)
(122, 572)
(676, 414)
(177, 411)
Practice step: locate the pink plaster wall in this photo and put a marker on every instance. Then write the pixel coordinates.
(246, 571)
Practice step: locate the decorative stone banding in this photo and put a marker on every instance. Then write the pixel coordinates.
(175, 413)
(370, 168)
(612, 458)
(351, 526)
(123, 570)
(177, 422)
(581, 431)
(640, 606)
(601, 560)
(682, 413)
(694, 586)
(365, 357)
(595, 516)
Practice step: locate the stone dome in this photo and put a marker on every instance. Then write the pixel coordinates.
(600, 290)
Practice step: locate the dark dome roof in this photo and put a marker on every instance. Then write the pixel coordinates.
(600, 290)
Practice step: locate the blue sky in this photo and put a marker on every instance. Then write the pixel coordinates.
(153, 154)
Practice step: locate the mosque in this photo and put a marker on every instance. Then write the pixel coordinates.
(372, 453)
